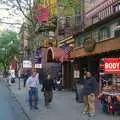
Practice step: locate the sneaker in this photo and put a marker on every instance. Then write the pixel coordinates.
(91, 114)
(30, 108)
(84, 112)
(36, 108)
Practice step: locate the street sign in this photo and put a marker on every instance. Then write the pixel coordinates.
(38, 65)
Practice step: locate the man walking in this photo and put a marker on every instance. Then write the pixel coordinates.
(90, 85)
(48, 86)
(32, 84)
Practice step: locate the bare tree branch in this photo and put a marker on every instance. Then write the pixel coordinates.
(29, 3)
(10, 23)
(18, 1)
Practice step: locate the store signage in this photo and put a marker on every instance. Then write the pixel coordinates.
(76, 74)
(89, 45)
(27, 64)
(38, 56)
(38, 65)
(112, 65)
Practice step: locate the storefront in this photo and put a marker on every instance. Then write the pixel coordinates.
(60, 58)
(88, 57)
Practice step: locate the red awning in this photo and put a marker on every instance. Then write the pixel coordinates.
(54, 54)
(57, 54)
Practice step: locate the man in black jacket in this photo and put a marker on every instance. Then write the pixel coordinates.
(48, 86)
(90, 86)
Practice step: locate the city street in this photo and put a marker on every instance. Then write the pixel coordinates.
(9, 107)
(70, 45)
(63, 107)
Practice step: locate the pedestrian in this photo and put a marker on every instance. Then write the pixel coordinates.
(32, 85)
(90, 86)
(26, 75)
(48, 86)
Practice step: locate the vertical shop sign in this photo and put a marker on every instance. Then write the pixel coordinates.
(38, 58)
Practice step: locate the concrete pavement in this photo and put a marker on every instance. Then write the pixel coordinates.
(9, 107)
(63, 107)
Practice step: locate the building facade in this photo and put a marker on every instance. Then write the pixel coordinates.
(100, 35)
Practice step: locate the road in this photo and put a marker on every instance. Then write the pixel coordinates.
(9, 107)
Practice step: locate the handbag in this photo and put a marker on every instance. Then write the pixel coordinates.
(12, 80)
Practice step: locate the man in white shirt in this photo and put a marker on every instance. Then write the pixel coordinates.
(32, 84)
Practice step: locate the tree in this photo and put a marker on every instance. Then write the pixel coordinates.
(68, 7)
(27, 10)
(9, 47)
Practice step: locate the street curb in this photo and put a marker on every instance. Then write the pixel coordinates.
(26, 114)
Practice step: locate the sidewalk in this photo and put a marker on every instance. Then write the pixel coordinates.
(63, 107)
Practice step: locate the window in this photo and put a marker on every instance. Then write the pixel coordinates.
(68, 20)
(116, 8)
(92, 1)
(95, 19)
(117, 30)
(104, 33)
(112, 29)
(79, 40)
(95, 35)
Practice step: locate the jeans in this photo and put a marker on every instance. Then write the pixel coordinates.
(33, 96)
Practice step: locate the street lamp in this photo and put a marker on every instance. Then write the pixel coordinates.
(19, 72)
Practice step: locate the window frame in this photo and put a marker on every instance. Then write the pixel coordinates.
(101, 37)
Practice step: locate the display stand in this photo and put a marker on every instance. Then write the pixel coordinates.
(109, 85)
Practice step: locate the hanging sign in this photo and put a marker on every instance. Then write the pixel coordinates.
(112, 65)
(27, 64)
(38, 56)
(89, 45)
(38, 65)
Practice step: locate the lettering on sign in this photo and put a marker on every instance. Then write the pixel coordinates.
(112, 65)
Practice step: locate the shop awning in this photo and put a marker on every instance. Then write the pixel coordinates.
(56, 54)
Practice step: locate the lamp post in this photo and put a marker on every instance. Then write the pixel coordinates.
(19, 72)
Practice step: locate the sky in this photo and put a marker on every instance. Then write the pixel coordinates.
(10, 16)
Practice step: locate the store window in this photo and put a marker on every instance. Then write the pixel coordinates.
(104, 33)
